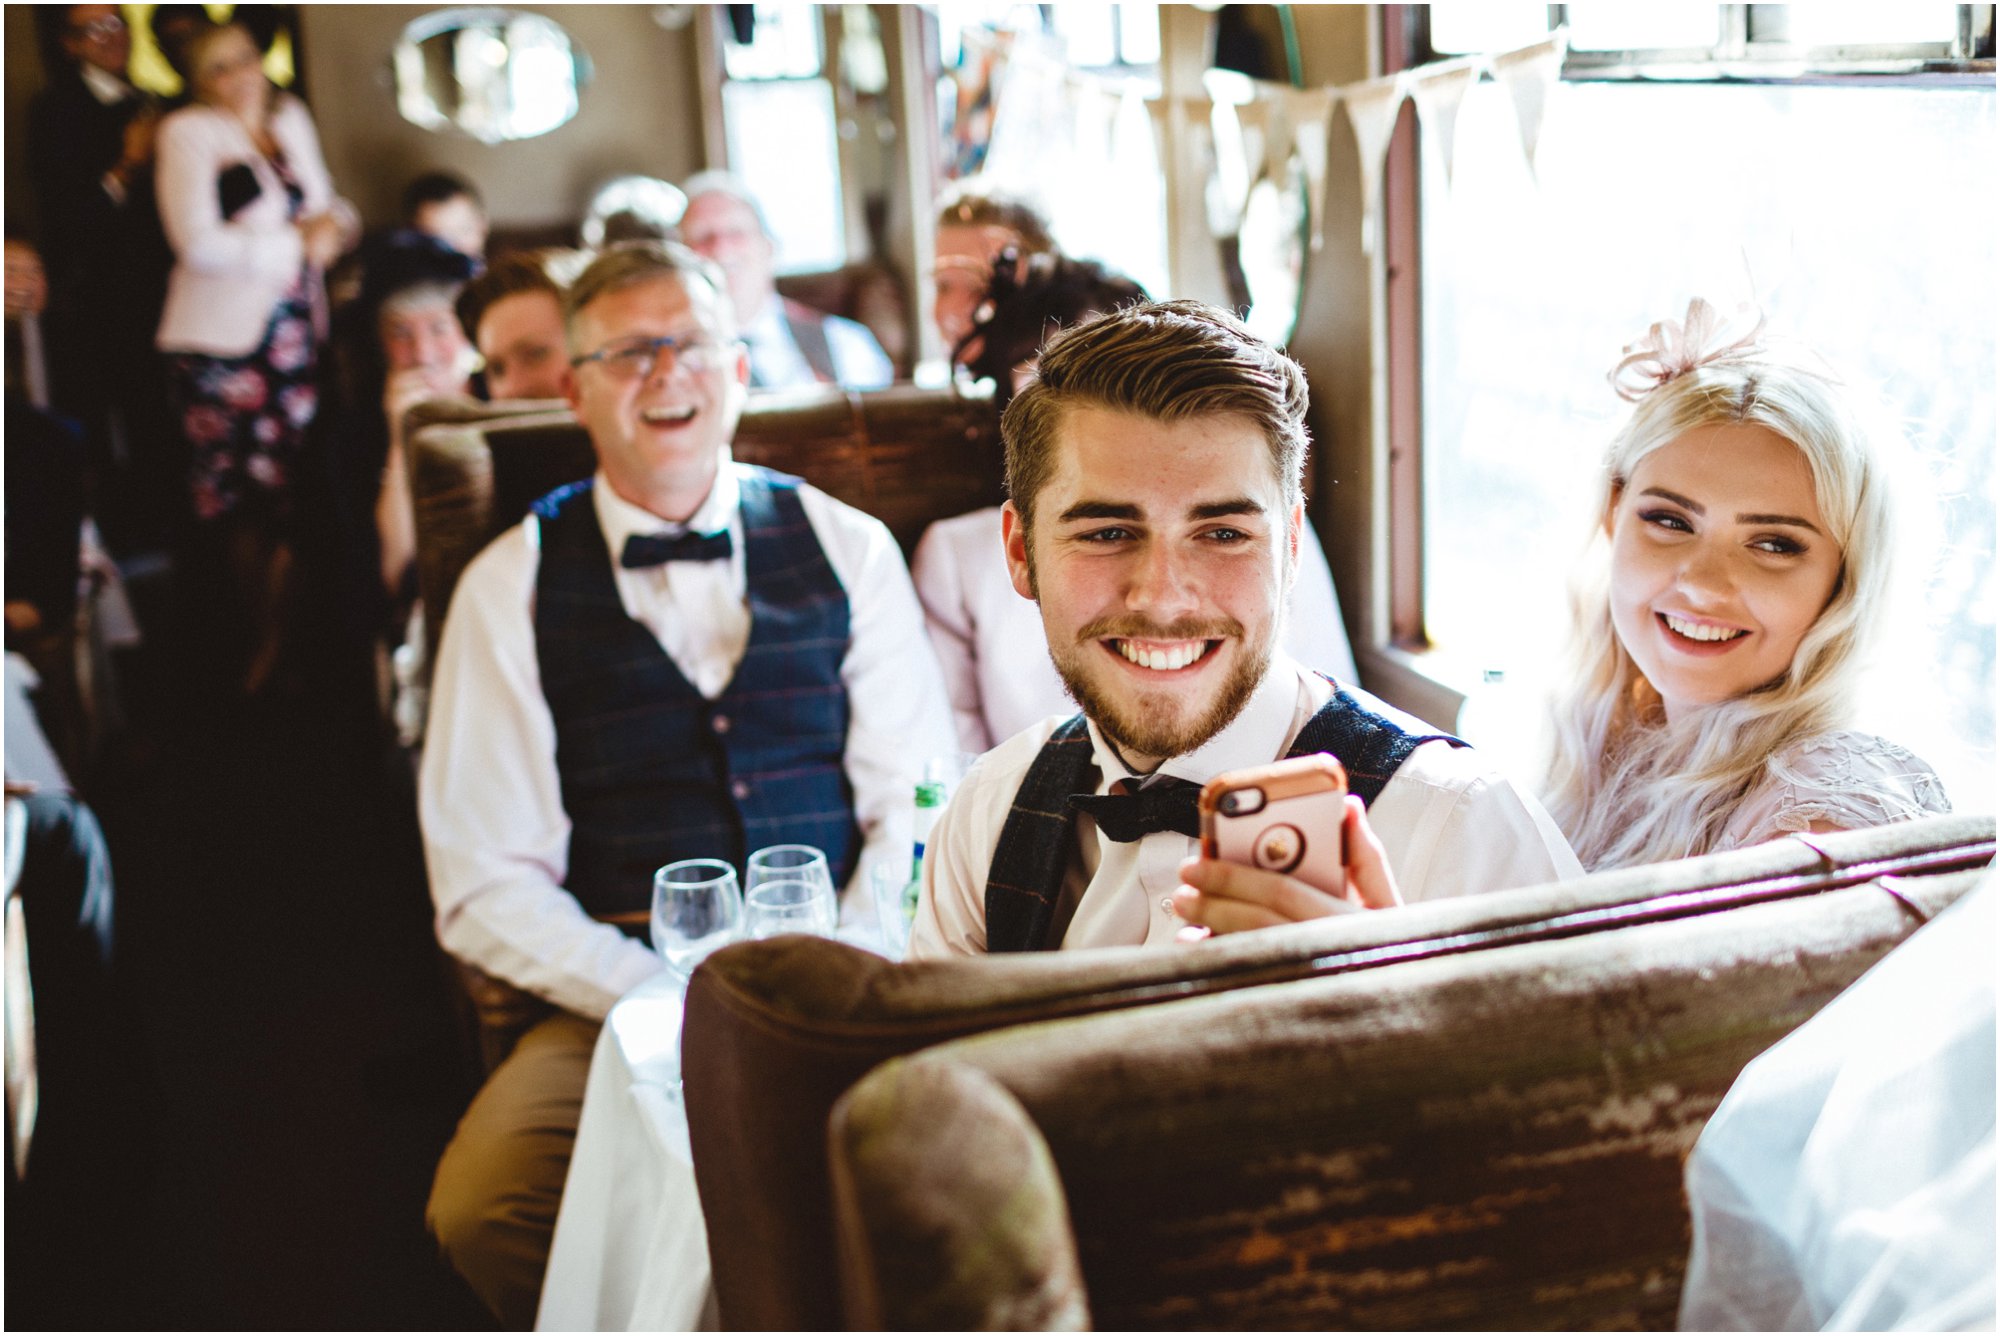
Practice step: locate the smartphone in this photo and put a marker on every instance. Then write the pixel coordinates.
(1283, 817)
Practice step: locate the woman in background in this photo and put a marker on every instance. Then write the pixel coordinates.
(253, 221)
(1736, 586)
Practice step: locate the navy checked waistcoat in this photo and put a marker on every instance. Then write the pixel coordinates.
(652, 771)
(1033, 852)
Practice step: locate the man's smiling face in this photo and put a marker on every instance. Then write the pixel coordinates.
(660, 435)
(1161, 555)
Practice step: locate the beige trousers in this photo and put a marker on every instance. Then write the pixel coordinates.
(493, 1203)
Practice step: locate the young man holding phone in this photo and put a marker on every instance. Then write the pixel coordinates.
(1154, 468)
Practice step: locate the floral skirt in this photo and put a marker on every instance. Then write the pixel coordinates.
(245, 418)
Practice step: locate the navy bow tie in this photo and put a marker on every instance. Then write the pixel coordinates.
(656, 549)
(1170, 804)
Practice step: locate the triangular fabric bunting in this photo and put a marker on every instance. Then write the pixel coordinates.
(1234, 162)
(1310, 113)
(1371, 110)
(1527, 75)
(1438, 91)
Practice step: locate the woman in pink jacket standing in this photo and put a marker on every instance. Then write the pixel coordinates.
(253, 221)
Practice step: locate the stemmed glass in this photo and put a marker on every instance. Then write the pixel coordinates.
(787, 862)
(783, 905)
(697, 909)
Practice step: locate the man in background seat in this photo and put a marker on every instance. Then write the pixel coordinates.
(790, 344)
(512, 313)
(448, 207)
(681, 657)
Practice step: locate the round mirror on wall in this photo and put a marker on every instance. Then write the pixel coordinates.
(494, 74)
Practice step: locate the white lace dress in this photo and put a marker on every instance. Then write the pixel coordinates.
(1848, 780)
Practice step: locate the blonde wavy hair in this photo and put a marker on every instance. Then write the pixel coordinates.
(1627, 785)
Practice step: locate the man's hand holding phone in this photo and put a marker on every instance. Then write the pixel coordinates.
(1281, 844)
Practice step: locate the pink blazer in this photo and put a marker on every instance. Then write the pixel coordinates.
(228, 275)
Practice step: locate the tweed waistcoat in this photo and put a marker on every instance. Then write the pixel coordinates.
(1029, 862)
(652, 771)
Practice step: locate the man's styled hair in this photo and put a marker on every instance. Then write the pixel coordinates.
(630, 263)
(437, 188)
(1165, 360)
(504, 278)
(970, 208)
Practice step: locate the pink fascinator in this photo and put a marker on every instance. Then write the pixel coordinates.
(1673, 349)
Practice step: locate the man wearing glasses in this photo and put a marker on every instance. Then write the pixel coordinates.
(680, 657)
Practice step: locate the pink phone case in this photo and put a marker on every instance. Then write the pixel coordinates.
(1283, 817)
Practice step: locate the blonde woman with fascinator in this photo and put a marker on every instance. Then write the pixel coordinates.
(1734, 590)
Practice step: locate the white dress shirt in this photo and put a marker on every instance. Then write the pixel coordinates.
(858, 360)
(990, 642)
(1451, 824)
(496, 838)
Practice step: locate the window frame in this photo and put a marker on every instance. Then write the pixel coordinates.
(1397, 647)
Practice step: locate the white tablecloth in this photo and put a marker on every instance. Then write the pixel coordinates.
(630, 1250)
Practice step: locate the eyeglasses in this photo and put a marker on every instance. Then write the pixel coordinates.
(108, 26)
(639, 358)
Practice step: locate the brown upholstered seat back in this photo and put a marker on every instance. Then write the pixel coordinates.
(777, 1030)
(1489, 1140)
(905, 455)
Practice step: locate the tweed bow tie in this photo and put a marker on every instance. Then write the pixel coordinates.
(1170, 804)
(656, 549)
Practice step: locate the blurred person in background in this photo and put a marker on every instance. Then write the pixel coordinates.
(973, 230)
(250, 212)
(790, 344)
(448, 207)
(513, 315)
(90, 154)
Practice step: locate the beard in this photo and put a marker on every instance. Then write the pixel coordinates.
(1158, 724)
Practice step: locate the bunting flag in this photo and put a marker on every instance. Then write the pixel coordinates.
(1439, 90)
(1371, 111)
(1309, 112)
(1230, 129)
(1527, 75)
(1056, 125)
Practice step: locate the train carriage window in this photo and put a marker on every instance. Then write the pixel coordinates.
(1845, 184)
(783, 140)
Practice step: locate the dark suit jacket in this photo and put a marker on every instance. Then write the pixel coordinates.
(105, 257)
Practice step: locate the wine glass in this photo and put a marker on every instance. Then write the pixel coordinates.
(790, 905)
(787, 862)
(696, 910)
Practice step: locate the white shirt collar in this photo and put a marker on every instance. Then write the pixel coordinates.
(768, 323)
(1256, 736)
(620, 519)
(105, 86)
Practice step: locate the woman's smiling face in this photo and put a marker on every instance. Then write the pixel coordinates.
(1720, 563)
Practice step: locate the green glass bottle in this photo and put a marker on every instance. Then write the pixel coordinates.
(930, 800)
